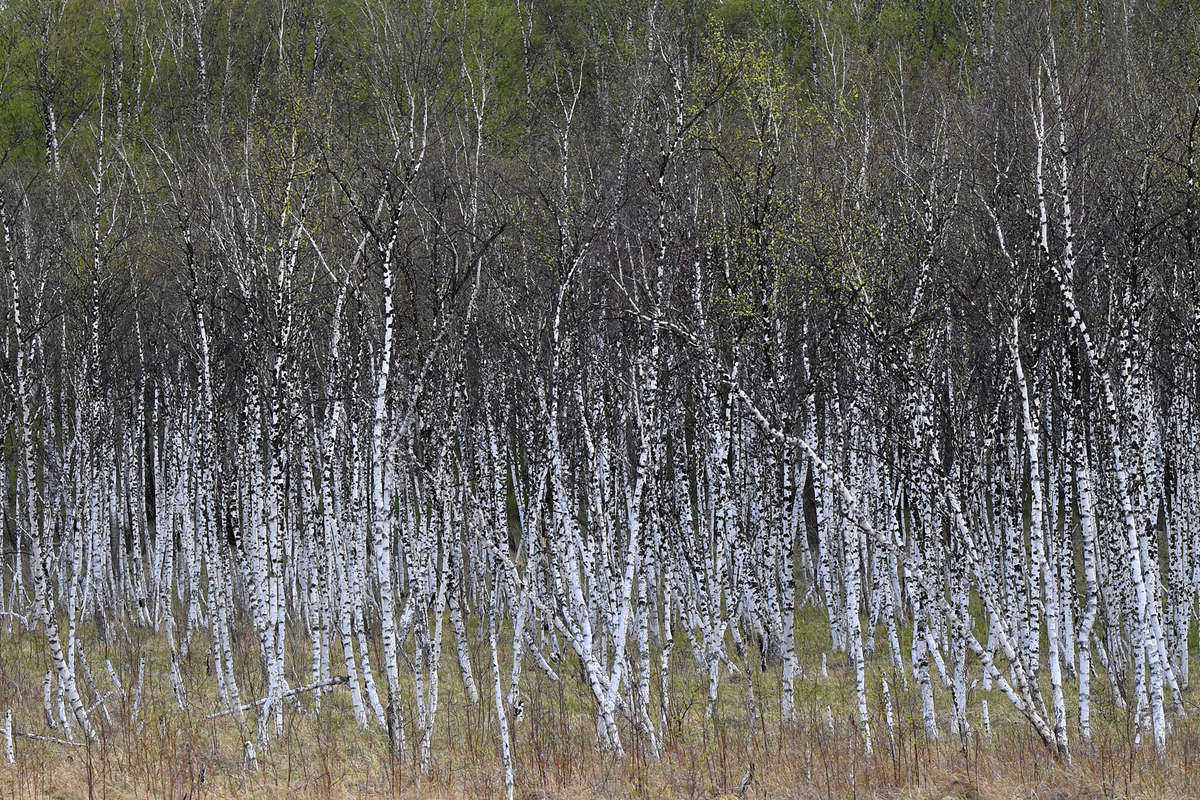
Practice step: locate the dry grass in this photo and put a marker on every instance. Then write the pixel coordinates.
(177, 753)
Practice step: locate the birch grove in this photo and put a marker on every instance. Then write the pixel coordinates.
(363, 373)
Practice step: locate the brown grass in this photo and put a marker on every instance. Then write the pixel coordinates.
(174, 753)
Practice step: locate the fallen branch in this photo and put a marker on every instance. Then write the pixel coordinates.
(101, 700)
(335, 681)
(37, 737)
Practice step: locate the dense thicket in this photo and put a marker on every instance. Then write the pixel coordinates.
(613, 327)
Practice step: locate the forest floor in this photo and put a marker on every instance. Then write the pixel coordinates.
(174, 752)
